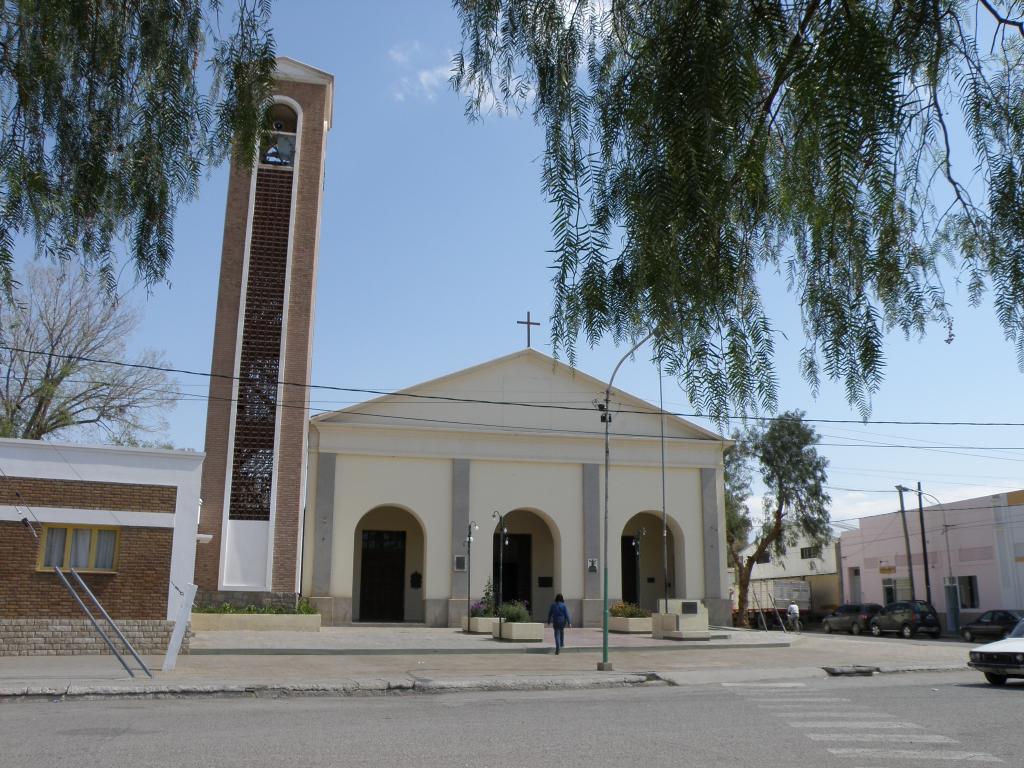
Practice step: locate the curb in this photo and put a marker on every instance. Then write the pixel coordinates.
(682, 645)
(371, 687)
(924, 668)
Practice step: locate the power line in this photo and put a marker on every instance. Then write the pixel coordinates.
(545, 405)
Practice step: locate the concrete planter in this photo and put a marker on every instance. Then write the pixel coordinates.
(520, 632)
(479, 625)
(628, 626)
(256, 622)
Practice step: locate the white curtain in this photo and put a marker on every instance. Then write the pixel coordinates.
(105, 543)
(80, 540)
(55, 540)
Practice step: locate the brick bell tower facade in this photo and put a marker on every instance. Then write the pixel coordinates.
(258, 412)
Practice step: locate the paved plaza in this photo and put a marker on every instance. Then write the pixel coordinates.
(381, 659)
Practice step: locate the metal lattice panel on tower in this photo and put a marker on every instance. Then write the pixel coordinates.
(256, 409)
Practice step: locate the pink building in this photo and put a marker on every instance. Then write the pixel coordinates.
(975, 554)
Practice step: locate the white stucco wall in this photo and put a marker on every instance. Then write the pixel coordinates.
(421, 486)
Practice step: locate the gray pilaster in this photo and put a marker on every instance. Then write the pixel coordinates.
(714, 565)
(460, 520)
(323, 524)
(591, 529)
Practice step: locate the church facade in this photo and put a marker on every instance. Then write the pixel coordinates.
(367, 510)
(512, 452)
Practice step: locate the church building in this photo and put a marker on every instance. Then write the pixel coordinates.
(366, 510)
(511, 451)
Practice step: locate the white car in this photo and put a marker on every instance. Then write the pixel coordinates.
(1002, 659)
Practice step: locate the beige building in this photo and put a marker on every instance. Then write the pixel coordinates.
(394, 485)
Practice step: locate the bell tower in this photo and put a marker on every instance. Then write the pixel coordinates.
(258, 410)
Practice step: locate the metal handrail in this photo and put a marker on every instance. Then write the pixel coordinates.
(757, 603)
(110, 621)
(99, 630)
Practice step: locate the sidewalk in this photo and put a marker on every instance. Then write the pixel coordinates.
(437, 666)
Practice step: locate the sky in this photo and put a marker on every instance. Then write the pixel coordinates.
(435, 241)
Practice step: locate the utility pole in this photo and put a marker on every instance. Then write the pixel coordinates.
(924, 545)
(906, 541)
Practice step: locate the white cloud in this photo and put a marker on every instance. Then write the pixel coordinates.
(432, 80)
(403, 53)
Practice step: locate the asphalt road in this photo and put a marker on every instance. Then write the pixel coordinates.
(881, 722)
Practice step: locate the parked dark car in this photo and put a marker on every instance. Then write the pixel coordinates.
(907, 617)
(851, 617)
(991, 624)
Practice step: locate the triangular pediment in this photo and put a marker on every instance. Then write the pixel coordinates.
(525, 392)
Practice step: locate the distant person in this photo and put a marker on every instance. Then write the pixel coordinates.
(793, 612)
(558, 618)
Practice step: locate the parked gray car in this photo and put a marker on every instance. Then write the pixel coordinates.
(851, 617)
(907, 617)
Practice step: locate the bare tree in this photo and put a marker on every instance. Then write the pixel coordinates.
(62, 349)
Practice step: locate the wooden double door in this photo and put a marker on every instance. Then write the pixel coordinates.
(382, 576)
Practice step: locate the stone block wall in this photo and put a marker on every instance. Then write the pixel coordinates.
(74, 637)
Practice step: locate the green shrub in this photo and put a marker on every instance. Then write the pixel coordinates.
(303, 607)
(628, 611)
(515, 613)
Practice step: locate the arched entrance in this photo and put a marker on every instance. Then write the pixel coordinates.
(643, 569)
(526, 563)
(388, 567)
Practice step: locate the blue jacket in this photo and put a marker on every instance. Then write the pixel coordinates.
(558, 615)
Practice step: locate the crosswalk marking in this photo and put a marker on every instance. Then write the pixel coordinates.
(900, 738)
(819, 713)
(802, 700)
(853, 724)
(914, 754)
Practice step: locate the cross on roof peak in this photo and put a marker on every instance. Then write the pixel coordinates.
(527, 322)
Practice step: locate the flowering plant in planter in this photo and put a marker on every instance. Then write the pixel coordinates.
(628, 611)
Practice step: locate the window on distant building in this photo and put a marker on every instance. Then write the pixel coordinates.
(894, 589)
(765, 557)
(83, 548)
(968, 591)
(810, 553)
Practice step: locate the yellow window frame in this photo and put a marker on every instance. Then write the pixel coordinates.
(69, 536)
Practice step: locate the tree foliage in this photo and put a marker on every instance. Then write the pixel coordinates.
(105, 127)
(737, 490)
(692, 146)
(69, 389)
(795, 503)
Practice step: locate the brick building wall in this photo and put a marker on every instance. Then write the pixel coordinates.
(137, 590)
(83, 494)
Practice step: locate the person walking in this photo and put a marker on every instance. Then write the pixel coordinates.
(794, 616)
(558, 618)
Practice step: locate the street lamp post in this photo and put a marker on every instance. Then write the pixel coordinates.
(606, 416)
(469, 570)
